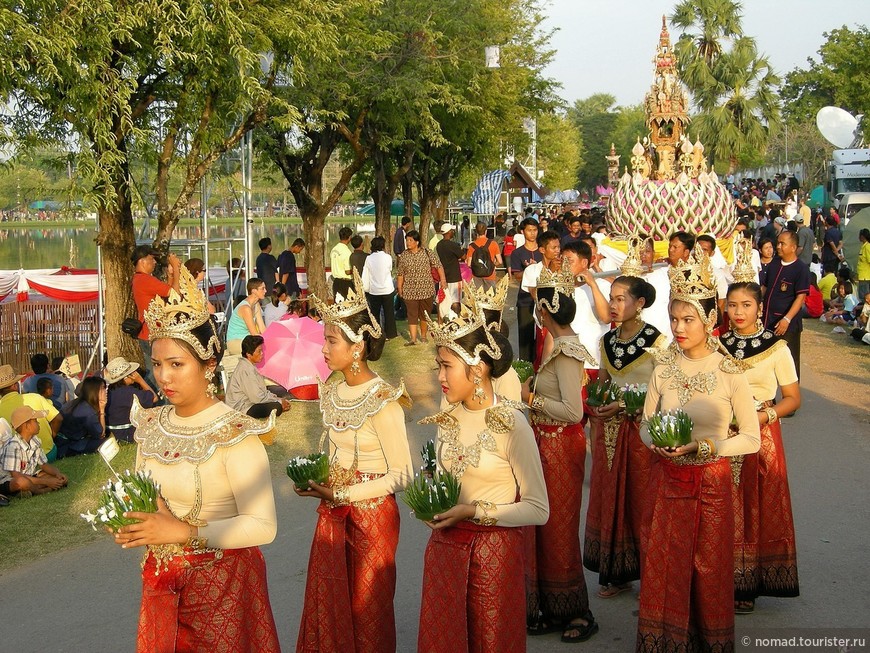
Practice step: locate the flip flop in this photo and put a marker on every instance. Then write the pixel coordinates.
(610, 591)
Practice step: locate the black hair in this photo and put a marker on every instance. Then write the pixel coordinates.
(254, 282)
(791, 235)
(687, 239)
(748, 286)
(495, 316)
(764, 241)
(250, 344)
(480, 228)
(638, 288)
(378, 243)
(528, 222)
(56, 362)
(39, 363)
(706, 238)
(373, 347)
(579, 247)
(545, 238)
(299, 242)
(567, 306)
(830, 221)
(44, 384)
(264, 242)
(413, 234)
(277, 290)
(356, 241)
(865, 234)
(406, 220)
(498, 366)
(88, 392)
(344, 233)
(830, 267)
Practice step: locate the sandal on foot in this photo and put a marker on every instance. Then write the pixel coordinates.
(609, 591)
(744, 607)
(543, 628)
(584, 632)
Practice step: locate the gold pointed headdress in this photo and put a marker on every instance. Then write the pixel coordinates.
(744, 271)
(469, 320)
(492, 298)
(692, 281)
(345, 307)
(181, 312)
(562, 281)
(633, 265)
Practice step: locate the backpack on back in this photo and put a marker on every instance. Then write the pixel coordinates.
(482, 264)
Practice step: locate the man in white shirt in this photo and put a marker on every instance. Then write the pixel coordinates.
(720, 268)
(592, 319)
(377, 280)
(680, 246)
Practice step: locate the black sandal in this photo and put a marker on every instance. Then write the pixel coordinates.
(543, 627)
(584, 632)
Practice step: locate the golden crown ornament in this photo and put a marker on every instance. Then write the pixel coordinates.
(490, 299)
(469, 320)
(633, 265)
(692, 282)
(182, 311)
(337, 312)
(744, 271)
(562, 281)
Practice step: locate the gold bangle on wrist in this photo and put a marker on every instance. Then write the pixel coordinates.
(486, 506)
(705, 449)
(538, 403)
(194, 541)
(340, 495)
(771, 415)
(531, 399)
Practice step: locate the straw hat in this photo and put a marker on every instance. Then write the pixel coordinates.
(8, 376)
(25, 413)
(117, 369)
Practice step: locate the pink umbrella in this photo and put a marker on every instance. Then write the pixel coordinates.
(292, 353)
(465, 271)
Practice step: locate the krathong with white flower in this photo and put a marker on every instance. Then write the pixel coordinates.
(129, 492)
(634, 396)
(429, 459)
(313, 467)
(524, 369)
(601, 392)
(670, 429)
(428, 497)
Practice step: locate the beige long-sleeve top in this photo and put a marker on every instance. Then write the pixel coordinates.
(768, 372)
(368, 418)
(496, 458)
(211, 467)
(718, 394)
(559, 382)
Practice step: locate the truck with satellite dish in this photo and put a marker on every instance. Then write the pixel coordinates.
(849, 167)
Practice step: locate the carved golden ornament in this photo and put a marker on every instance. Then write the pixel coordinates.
(337, 312)
(633, 265)
(469, 320)
(744, 270)
(562, 281)
(693, 281)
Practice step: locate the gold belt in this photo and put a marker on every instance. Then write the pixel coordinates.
(691, 459)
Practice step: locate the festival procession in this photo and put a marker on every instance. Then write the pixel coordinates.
(545, 391)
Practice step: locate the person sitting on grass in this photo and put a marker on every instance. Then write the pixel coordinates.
(84, 419)
(45, 388)
(24, 469)
(247, 391)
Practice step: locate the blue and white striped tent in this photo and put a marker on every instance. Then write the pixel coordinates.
(488, 192)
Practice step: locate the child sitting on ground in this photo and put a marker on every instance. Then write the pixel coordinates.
(45, 387)
(24, 469)
(842, 306)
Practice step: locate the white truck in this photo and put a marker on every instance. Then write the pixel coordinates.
(848, 172)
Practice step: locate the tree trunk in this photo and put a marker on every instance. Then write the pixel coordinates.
(314, 232)
(408, 193)
(387, 183)
(117, 240)
(427, 205)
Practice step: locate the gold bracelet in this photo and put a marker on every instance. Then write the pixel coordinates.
(486, 506)
(194, 541)
(531, 399)
(705, 450)
(771, 415)
(340, 495)
(538, 403)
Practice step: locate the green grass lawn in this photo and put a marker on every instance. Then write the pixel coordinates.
(184, 222)
(41, 525)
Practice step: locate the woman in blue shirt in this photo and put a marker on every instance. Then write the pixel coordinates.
(84, 419)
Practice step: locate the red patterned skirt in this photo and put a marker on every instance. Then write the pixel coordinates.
(555, 586)
(352, 580)
(687, 570)
(617, 498)
(765, 555)
(472, 584)
(212, 602)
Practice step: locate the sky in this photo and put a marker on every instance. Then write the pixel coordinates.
(606, 46)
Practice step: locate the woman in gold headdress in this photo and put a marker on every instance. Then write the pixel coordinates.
(204, 578)
(687, 564)
(473, 574)
(620, 460)
(764, 538)
(352, 565)
(556, 596)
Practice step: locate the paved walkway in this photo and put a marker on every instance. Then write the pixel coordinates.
(87, 599)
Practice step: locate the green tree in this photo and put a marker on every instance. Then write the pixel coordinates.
(840, 77)
(630, 125)
(560, 148)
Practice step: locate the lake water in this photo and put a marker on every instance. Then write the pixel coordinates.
(54, 248)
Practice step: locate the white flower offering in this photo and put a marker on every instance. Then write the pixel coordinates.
(129, 492)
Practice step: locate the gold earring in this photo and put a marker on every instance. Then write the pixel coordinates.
(354, 367)
(479, 394)
(211, 388)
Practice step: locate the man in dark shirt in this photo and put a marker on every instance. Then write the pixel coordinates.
(832, 243)
(287, 267)
(785, 285)
(575, 228)
(401, 234)
(450, 253)
(521, 258)
(267, 265)
(357, 256)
